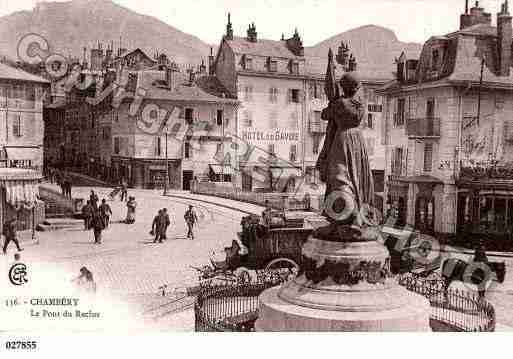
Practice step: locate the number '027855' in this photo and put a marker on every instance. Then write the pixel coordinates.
(20, 345)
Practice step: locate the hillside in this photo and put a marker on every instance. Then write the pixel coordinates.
(375, 49)
(69, 26)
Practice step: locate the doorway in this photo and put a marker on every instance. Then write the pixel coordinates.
(424, 214)
(247, 182)
(188, 176)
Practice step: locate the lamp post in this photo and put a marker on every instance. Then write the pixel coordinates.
(166, 181)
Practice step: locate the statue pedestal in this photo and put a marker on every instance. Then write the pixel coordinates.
(344, 287)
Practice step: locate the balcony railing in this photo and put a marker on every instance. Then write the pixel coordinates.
(423, 127)
(318, 126)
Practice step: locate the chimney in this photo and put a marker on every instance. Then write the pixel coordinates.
(252, 33)
(171, 72)
(504, 38)
(192, 77)
(477, 15)
(211, 59)
(352, 64)
(96, 58)
(343, 54)
(295, 44)
(229, 29)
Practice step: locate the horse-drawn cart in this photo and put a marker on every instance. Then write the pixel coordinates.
(260, 253)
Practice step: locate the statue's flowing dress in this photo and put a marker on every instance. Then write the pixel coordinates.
(344, 158)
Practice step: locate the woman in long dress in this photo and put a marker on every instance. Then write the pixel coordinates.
(343, 162)
(130, 213)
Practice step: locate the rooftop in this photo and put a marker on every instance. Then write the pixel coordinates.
(262, 47)
(11, 73)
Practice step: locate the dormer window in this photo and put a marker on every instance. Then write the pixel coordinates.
(272, 65)
(294, 67)
(248, 63)
(435, 59)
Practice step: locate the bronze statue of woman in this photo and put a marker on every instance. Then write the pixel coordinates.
(343, 162)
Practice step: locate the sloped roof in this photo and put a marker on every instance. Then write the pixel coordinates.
(12, 73)
(316, 67)
(203, 90)
(262, 47)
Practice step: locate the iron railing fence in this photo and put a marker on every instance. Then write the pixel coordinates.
(234, 308)
(461, 310)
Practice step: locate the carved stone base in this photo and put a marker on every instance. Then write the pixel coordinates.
(343, 287)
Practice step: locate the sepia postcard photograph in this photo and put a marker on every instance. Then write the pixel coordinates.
(186, 168)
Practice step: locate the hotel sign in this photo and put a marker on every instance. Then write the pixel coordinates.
(271, 136)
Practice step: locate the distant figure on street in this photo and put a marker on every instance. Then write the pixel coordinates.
(130, 213)
(85, 280)
(105, 212)
(93, 198)
(191, 219)
(124, 190)
(11, 235)
(87, 214)
(155, 227)
(67, 187)
(267, 214)
(98, 226)
(165, 222)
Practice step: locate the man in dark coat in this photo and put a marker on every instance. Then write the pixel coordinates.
(93, 198)
(164, 223)
(105, 212)
(87, 214)
(155, 227)
(10, 234)
(98, 226)
(190, 219)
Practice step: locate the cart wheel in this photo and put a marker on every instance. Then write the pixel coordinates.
(243, 276)
(286, 268)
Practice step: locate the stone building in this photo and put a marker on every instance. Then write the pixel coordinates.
(21, 118)
(21, 144)
(196, 113)
(282, 95)
(449, 131)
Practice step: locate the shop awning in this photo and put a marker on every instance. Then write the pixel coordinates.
(23, 153)
(21, 185)
(220, 170)
(420, 179)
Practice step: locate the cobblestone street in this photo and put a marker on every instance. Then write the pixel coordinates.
(128, 263)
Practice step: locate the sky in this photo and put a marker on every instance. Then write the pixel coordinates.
(316, 20)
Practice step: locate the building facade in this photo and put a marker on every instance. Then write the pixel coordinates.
(282, 95)
(21, 146)
(448, 132)
(21, 118)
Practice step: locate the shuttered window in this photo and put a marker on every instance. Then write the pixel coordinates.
(428, 157)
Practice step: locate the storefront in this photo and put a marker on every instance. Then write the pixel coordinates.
(485, 209)
(397, 201)
(19, 190)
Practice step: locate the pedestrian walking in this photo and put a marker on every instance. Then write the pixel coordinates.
(87, 214)
(69, 184)
(164, 224)
(124, 190)
(190, 219)
(11, 235)
(105, 212)
(98, 227)
(93, 198)
(155, 227)
(130, 213)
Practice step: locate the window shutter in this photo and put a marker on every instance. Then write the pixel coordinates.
(289, 96)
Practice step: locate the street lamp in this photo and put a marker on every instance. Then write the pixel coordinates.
(166, 181)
